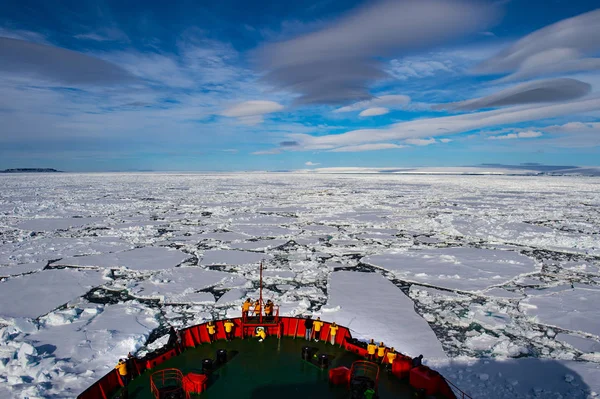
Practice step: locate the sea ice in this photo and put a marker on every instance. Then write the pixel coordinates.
(466, 269)
(36, 294)
(180, 285)
(372, 307)
(231, 257)
(575, 309)
(147, 258)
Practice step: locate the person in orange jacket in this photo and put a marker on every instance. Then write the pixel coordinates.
(229, 329)
(269, 309)
(371, 348)
(317, 325)
(246, 308)
(332, 332)
(121, 367)
(257, 308)
(212, 330)
(380, 352)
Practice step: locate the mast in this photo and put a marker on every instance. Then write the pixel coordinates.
(260, 298)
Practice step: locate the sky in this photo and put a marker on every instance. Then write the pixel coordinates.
(90, 85)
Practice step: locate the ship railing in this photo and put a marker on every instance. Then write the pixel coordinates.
(459, 393)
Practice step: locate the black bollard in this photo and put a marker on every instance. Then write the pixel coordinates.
(323, 361)
(306, 353)
(221, 356)
(207, 366)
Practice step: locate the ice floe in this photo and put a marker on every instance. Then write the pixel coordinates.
(368, 303)
(147, 258)
(36, 294)
(467, 269)
(575, 309)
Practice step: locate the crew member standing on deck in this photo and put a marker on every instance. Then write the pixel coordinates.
(391, 356)
(317, 325)
(212, 329)
(417, 361)
(269, 310)
(229, 329)
(246, 308)
(257, 308)
(121, 367)
(380, 352)
(371, 348)
(332, 332)
(308, 325)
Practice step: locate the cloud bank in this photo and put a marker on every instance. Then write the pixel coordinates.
(541, 91)
(336, 64)
(58, 65)
(557, 48)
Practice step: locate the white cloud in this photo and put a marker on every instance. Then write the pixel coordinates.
(267, 152)
(231, 150)
(445, 140)
(374, 111)
(396, 100)
(560, 47)
(443, 126)
(252, 108)
(309, 163)
(520, 135)
(367, 147)
(404, 69)
(420, 142)
(104, 35)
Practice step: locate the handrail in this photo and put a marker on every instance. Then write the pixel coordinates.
(463, 394)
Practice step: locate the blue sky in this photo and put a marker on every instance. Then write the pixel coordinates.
(270, 85)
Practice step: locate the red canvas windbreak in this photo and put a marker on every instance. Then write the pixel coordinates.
(188, 338)
(161, 358)
(204, 333)
(237, 328)
(195, 331)
(103, 388)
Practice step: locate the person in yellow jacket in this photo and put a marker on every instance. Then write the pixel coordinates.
(332, 332)
(380, 352)
(371, 348)
(229, 329)
(317, 325)
(212, 330)
(261, 334)
(121, 367)
(391, 356)
(246, 308)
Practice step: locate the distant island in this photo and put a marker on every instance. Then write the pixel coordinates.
(31, 170)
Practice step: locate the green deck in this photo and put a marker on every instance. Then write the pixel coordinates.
(273, 368)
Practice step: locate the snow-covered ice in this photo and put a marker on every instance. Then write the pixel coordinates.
(148, 258)
(36, 294)
(231, 257)
(367, 302)
(467, 269)
(181, 285)
(574, 309)
(495, 279)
